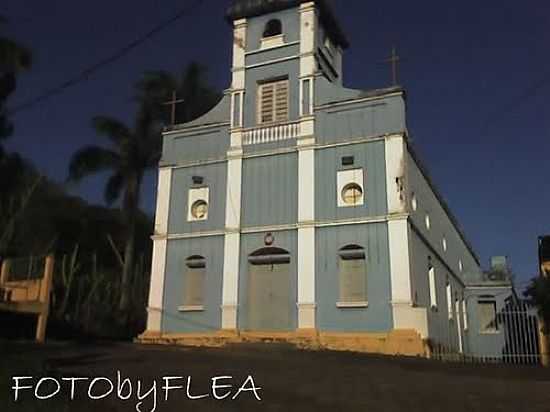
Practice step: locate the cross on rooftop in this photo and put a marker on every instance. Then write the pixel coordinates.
(173, 103)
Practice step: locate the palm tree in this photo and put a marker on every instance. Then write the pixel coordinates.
(135, 150)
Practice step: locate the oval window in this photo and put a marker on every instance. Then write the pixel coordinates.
(199, 210)
(352, 194)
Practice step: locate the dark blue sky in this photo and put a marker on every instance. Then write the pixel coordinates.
(477, 75)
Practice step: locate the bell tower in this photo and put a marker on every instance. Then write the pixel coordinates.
(280, 48)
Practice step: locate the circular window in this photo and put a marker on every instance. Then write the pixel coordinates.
(199, 209)
(352, 194)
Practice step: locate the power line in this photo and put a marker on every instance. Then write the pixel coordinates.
(91, 70)
(527, 94)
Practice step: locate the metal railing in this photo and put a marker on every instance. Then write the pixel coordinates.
(520, 344)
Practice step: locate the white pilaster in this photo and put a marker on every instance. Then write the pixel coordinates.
(306, 238)
(306, 172)
(232, 241)
(160, 244)
(239, 54)
(396, 173)
(398, 231)
(405, 314)
(308, 30)
(230, 294)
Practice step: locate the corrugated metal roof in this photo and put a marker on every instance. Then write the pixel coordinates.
(240, 9)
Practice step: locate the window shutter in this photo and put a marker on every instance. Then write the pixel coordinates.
(194, 287)
(281, 101)
(273, 102)
(353, 282)
(267, 105)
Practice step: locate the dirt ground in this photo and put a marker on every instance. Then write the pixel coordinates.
(290, 380)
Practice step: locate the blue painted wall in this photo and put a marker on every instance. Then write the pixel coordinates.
(486, 344)
(356, 119)
(215, 177)
(378, 316)
(368, 156)
(270, 190)
(178, 251)
(180, 146)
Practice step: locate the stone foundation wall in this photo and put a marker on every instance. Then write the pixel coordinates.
(397, 342)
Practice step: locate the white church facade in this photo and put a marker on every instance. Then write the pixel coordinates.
(297, 209)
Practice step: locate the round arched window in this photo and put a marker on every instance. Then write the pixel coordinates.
(352, 194)
(199, 210)
(273, 28)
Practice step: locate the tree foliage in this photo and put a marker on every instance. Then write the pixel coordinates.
(191, 85)
(14, 58)
(538, 294)
(132, 150)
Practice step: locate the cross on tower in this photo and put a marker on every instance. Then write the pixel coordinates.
(174, 102)
(394, 60)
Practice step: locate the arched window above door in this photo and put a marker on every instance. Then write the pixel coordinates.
(269, 255)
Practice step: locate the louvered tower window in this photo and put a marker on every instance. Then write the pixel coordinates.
(273, 102)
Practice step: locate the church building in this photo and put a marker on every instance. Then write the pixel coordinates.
(297, 210)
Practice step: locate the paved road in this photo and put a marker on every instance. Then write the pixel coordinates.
(290, 380)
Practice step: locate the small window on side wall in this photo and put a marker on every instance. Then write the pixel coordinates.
(193, 284)
(273, 28)
(433, 287)
(487, 310)
(352, 269)
(450, 308)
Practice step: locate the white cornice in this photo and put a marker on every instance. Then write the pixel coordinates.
(357, 100)
(187, 131)
(279, 46)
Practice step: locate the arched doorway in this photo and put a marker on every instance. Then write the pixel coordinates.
(269, 291)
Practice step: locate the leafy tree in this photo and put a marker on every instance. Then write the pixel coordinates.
(538, 294)
(191, 86)
(14, 58)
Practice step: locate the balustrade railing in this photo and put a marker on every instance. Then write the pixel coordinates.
(270, 134)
